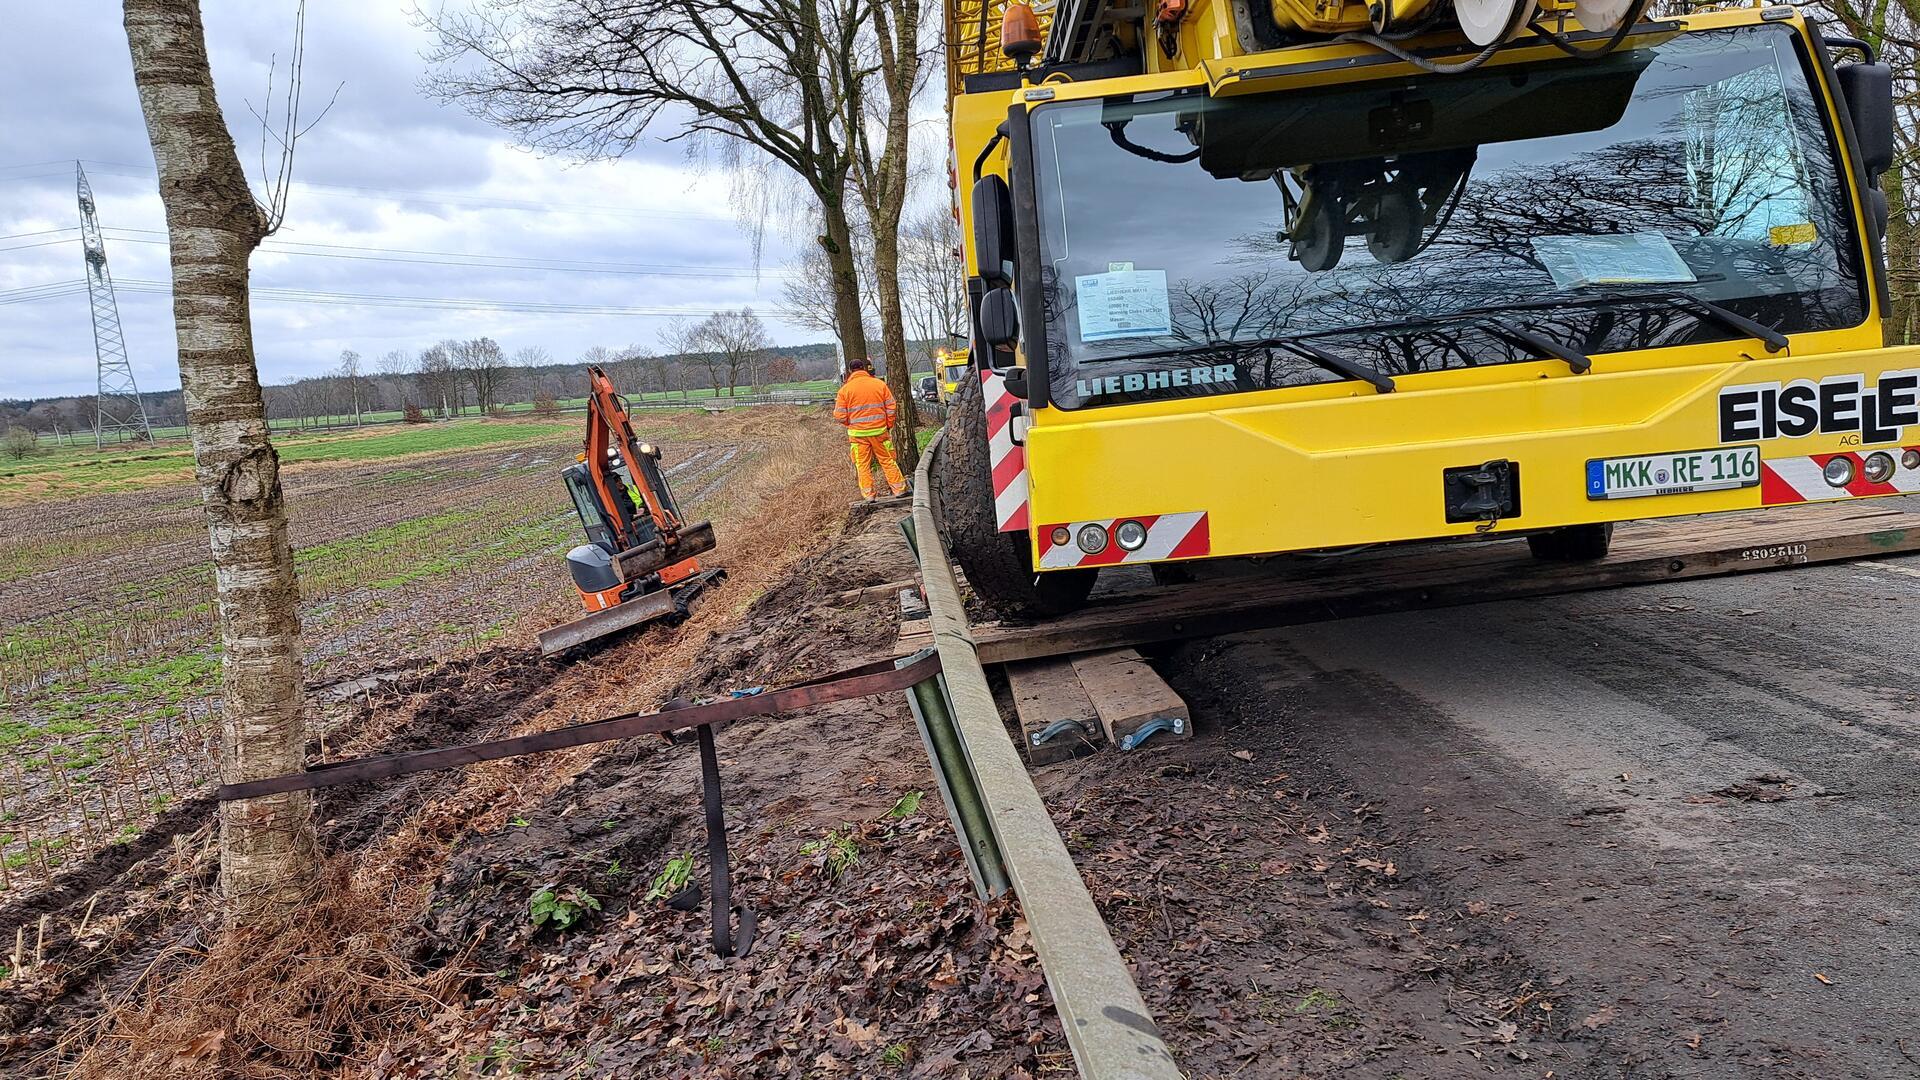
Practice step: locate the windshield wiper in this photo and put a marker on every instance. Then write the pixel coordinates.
(1773, 339)
(1337, 364)
(1578, 362)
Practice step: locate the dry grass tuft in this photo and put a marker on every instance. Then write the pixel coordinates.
(275, 1004)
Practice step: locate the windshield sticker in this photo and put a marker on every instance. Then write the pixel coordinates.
(1123, 304)
(1643, 258)
(1789, 235)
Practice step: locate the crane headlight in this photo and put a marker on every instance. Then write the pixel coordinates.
(1838, 471)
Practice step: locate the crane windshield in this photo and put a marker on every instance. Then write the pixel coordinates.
(1381, 220)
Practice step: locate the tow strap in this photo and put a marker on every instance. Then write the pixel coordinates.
(867, 680)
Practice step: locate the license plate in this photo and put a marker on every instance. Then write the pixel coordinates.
(1678, 473)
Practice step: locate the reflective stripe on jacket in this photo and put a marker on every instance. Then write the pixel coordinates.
(864, 405)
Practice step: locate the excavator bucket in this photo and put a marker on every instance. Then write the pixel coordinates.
(652, 556)
(644, 608)
(659, 604)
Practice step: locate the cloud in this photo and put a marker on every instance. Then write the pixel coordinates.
(395, 196)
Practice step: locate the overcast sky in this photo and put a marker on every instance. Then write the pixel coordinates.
(387, 175)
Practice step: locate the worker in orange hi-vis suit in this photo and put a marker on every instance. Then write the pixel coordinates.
(865, 407)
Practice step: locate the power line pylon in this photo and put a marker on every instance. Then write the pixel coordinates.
(116, 397)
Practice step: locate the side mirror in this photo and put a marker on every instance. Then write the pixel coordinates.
(1868, 90)
(993, 224)
(1877, 211)
(999, 324)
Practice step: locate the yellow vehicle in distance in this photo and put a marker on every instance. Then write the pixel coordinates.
(951, 365)
(1259, 276)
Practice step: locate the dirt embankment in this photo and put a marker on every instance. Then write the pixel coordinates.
(422, 957)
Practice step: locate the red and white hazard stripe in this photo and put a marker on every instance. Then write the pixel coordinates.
(1169, 536)
(1009, 458)
(1803, 479)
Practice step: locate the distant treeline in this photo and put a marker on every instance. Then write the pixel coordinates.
(463, 378)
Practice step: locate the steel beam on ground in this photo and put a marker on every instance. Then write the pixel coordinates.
(1106, 1022)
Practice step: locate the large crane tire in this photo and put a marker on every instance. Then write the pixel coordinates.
(998, 565)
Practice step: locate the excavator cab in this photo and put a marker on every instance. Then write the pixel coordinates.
(641, 560)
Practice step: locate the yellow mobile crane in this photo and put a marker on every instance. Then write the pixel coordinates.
(1257, 276)
(952, 366)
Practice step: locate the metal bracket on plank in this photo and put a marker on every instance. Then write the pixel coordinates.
(1061, 727)
(1151, 728)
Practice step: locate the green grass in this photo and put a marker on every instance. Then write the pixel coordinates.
(75, 472)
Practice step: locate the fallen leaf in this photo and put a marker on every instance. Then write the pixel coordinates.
(1243, 755)
(203, 1046)
(1824, 981)
(1599, 1018)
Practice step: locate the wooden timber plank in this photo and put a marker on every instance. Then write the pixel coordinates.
(1047, 692)
(1446, 575)
(1128, 694)
(915, 634)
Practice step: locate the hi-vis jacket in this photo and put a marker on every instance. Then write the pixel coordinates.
(864, 406)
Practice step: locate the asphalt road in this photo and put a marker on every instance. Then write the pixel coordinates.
(1691, 808)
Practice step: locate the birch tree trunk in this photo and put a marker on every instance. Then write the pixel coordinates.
(267, 849)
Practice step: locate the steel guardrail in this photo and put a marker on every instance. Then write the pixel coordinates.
(1106, 1022)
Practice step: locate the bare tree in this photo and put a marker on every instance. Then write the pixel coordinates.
(267, 845)
(807, 298)
(349, 372)
(439, 382)
(484, 363)
(735, 339)
(686, 343)
(932, 283)
(892, 39)
(590, 77)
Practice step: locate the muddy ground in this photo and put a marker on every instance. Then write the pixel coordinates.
(871, 956)
(1646, 833)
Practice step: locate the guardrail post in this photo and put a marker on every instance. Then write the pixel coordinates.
(913, 541)
(933, 714)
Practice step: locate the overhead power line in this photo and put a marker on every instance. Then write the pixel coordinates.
(451, 198)
(269, 294)
(481, 260)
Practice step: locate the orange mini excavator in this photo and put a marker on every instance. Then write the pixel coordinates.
(641, 559)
